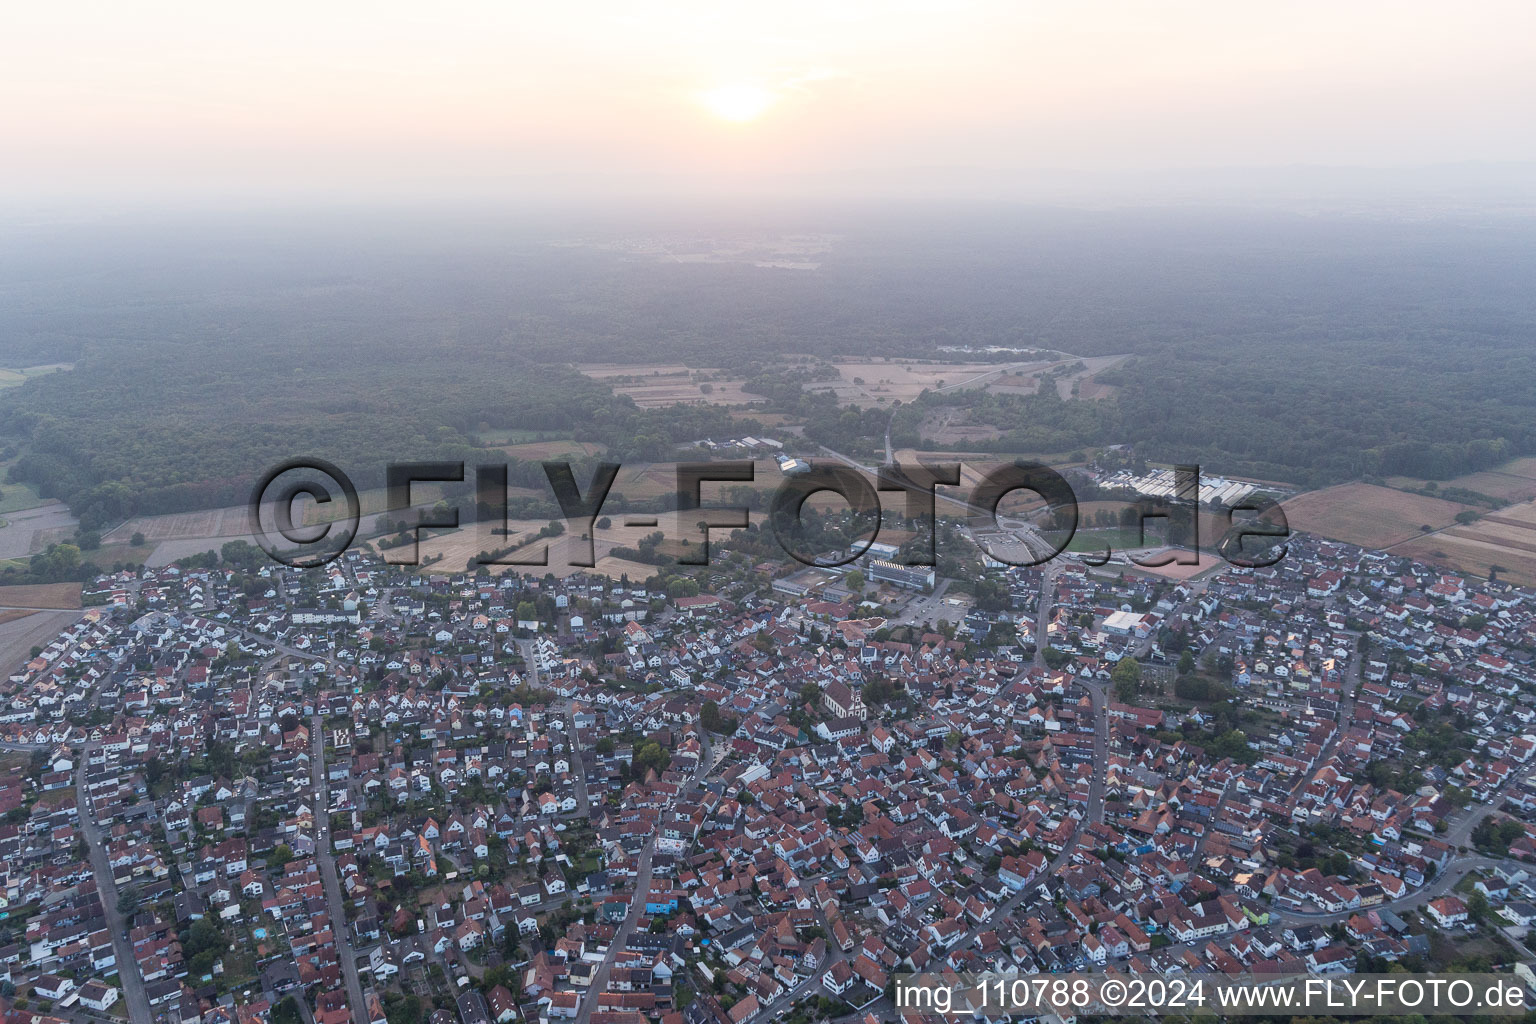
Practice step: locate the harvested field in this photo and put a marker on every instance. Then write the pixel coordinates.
(1093, 391)
(1520, 515)
(971, 466)
(655, 479)
(1517, 535)
(460, 547)
(1473, 556)
(876, 381)
(12, 614)
(1014, 384)
(29, 530)
(1508, 486)
(1513, 481)
(166, 552)
(19, 636)
(111, 554)
(41, 595)
(613, 568)
(217, 522)
(653, 386)
(189, 533)
(1367, 515)
(1506, 539)
(170, 537)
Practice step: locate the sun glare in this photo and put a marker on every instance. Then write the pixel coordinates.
(739, 102)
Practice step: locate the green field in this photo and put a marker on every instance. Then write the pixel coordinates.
(500, 437)
(1118, 540)
(10, 378)
(15, 497)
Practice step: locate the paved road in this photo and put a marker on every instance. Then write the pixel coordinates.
(1221, 801)
(636, 908)
(707, 762)
(1097, 695)
(1043, 610)
(568, 710)
(1095, 810)
(578, 766)
(139, 1011)
(1100, 702)
(1441, 884)
(1458, 867)
(806, 987)
(1460, 834)
(283, 650)
(526, 648)
(333, 898)
(1346, 711)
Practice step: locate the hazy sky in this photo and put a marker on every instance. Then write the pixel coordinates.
(380, 97)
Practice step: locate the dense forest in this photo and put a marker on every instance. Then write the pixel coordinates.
(177, 427)
(1269, 421)
(1302, 349)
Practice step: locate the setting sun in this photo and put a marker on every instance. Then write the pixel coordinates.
(738, 102)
